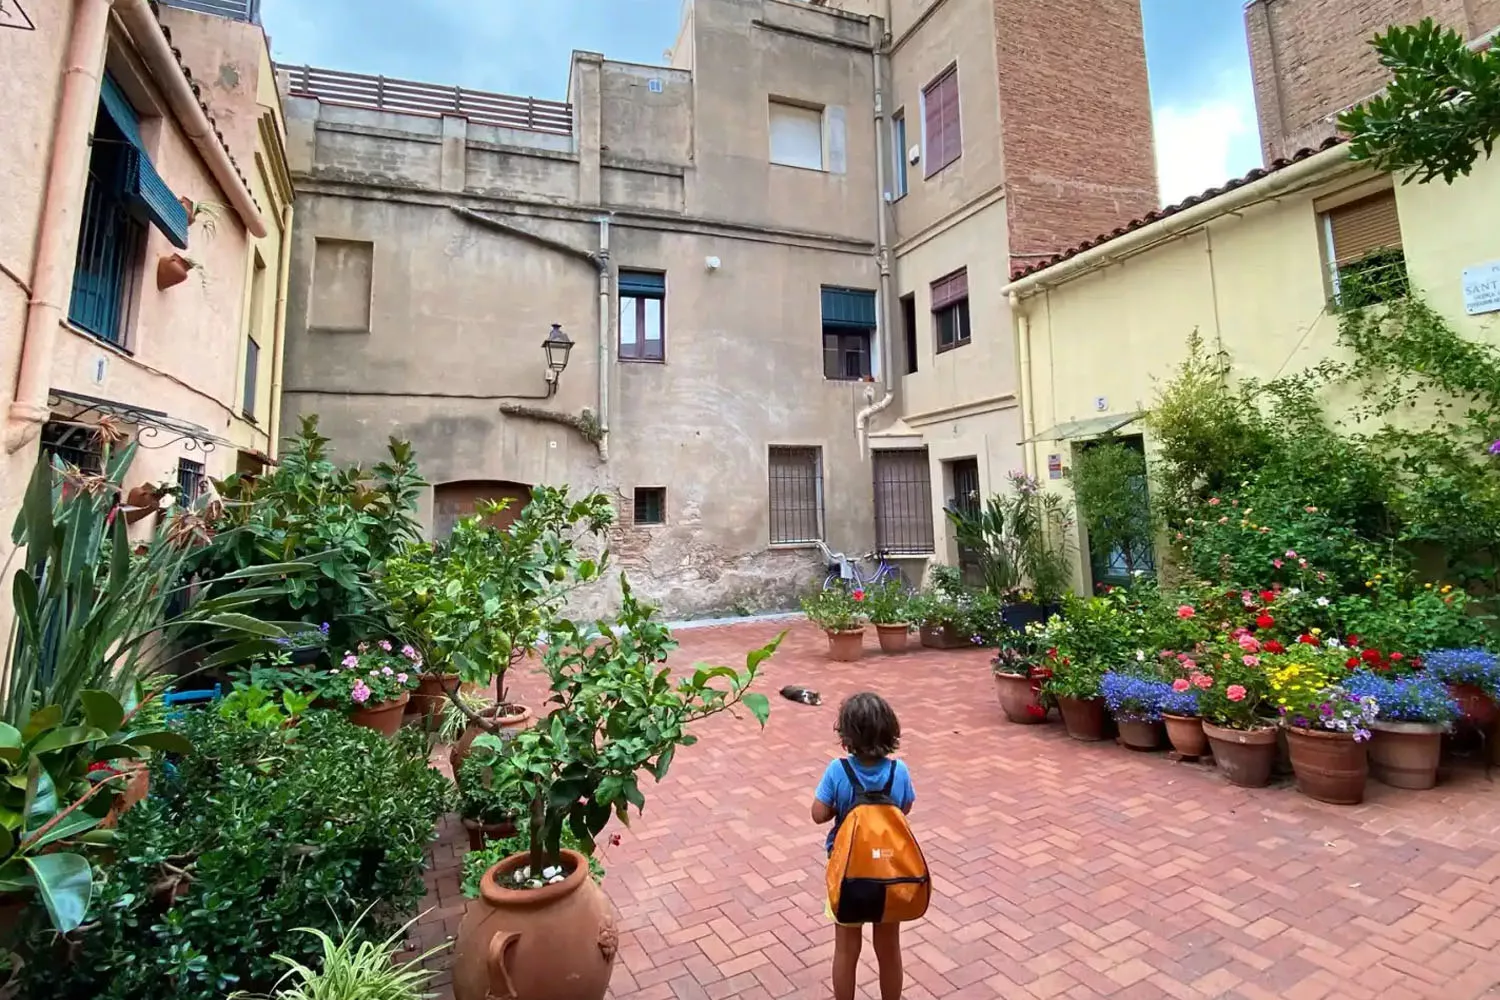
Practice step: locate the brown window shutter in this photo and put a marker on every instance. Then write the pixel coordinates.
(950, 289)
(932, 107)
(1364, 226)
(953, 144)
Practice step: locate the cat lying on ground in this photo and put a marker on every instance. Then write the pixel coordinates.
(805, 696)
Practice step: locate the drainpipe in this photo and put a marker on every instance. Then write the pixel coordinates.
(278, 339)
(57, 237)
(1023, 351)
(882, 260)
(604, 338)
(151, 43)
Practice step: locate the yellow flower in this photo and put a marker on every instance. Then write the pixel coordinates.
(1447, 588)
(1426, 586)
(1317, 631)
(1369, 583)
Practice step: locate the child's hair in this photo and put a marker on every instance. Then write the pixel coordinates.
(868, 727)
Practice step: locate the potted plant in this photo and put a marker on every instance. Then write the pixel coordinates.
(1230, 700)
(1327, 728)
(1406, 739)
(940, 611)
(1019, 540)
(1473, 678)
(887, 605)
(1075, 688)
(619, 714)
(840, 614)
(356, 967)
(478, 603)
(1179, 712)
(372, 684)
(489, 796)
(1135, 700)
(477, 863)
(1019, 678)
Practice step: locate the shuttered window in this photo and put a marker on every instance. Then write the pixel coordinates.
(796, 135)
(848, 333)
(643, 306)
(903, 502)
(950, 310)
(1363, 244)
(796, 476)
(943, 135)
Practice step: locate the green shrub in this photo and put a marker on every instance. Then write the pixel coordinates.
(260, 831)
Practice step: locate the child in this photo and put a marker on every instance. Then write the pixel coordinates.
(870, 732)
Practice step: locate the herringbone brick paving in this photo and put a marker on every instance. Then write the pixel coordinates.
(1061, 869)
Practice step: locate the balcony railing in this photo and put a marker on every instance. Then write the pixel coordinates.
(235, 10)
(408, 97)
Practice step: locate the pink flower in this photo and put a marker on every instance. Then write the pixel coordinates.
(1311, 510)
(359, 692)
(351, 661)
(385, 644)
(1203, 681)
(409, 653)
(1250, 661)
(1249, 644)
(1291, 553)
(400, 678)
(1224, 520)
(1189, 664)
(387, 671)
(1276, 563)
(1235, 692)
(1185, 611)
(1180, 684)
(1214, 502)
(363, 647)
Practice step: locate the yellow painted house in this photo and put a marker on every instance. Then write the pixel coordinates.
(1253, 268)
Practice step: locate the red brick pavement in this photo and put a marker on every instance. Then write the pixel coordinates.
(1061, 869)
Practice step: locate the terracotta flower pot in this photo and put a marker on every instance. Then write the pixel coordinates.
(384, 717)
(847, 645)
(1185, 732)
(482, 833)
(1019, 700)
(431, 694)
(172, 270)
(893, 638)
(553, 943)
(1244, 756)
(943, 637)
(1330, 767)
(1139, 735)
(1085, 718)
(517, 717)
(1405, 754)
(1474, 705)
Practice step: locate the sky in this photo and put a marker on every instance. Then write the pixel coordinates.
(1200, 70)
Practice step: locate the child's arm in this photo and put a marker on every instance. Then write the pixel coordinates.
(824, 797)
(822, 812)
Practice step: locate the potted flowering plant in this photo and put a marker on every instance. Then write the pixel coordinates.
(1179, 712)
(1135, 699)
(942, 610)
(373, 684)
(1407, 736)
(888, 607)
(840, 613)
(1020, 674)
(1327, 727)
(1229, 700)
(1473, 678)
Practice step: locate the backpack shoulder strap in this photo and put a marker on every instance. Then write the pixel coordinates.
(855, 785)
(890, 781)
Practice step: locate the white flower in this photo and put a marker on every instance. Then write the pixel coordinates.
(1333, 644)
(1321, 602)
(1140, 656)
(1294, 591)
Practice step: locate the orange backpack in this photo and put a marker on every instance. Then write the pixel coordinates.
(876, 872)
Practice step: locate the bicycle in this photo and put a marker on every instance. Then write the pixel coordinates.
(845, 572)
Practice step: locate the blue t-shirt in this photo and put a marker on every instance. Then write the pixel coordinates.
(836, 792)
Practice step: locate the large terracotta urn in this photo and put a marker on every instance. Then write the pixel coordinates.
(553, 943)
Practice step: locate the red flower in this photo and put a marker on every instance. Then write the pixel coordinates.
(1307, 640)
(1370, 656)
(1272, 646)
(1265, 621)
(858, 595)
(1268, 596)
(1397, 657)
(1352, 662)
(1353, 640)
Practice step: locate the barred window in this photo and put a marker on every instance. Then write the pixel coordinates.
(903, 502)
(190, 478)
(796, 495)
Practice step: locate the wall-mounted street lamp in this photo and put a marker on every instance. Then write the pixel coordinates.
(557, 346)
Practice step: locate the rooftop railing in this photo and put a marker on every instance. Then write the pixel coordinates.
(235, 10)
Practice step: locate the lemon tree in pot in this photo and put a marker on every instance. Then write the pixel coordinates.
(541, 929)
(479, 602)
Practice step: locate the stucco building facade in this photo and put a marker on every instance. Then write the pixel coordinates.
(778, 259)
(122, 168)
(1311, 59)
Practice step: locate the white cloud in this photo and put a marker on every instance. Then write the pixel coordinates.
(1203, 143)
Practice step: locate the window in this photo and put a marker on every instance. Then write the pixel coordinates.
(73, 445)
(903, 502)
(643, 303)
(1126, 560)
(796, 495)
(950, 310)
(848, 332)
(909, 331)
(964, 499)
(942, 140)
(898, 153)
(190, 477)
(253, 333)
(1362, 241)
(122, 196)
(796, 135)
(650, 505)
(453, 501)
(252, 367)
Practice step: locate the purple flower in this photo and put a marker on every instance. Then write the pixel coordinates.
(409, 653)
(323, 628)
(360, 693)
(351, 661)
(1495, 448)
(387, 671)
(400, 678)
(385, 644)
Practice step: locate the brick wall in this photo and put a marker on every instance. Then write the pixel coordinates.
(1312, 58)
(1075, 111)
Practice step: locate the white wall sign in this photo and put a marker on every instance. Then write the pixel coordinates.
(1101, 403)
(1482, 288)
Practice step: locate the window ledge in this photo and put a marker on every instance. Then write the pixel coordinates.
(641, 361)
(798, 166)
(955, 345)
(909, 555)
(794, 546)
(108, 345)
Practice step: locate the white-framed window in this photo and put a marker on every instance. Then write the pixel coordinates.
(797, 135)
(898, 154)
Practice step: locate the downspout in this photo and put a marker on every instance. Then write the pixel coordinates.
(602, 261)
(57, 237)
(278, 339)
(882, 261)
(1023, 365)
(151, 43)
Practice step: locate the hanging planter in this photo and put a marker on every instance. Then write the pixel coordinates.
(173, 269)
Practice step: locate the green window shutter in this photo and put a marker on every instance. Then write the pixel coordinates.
(146, 195)
(647, 283)
(849, 308)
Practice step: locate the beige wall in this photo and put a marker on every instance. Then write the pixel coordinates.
(1252, 282)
